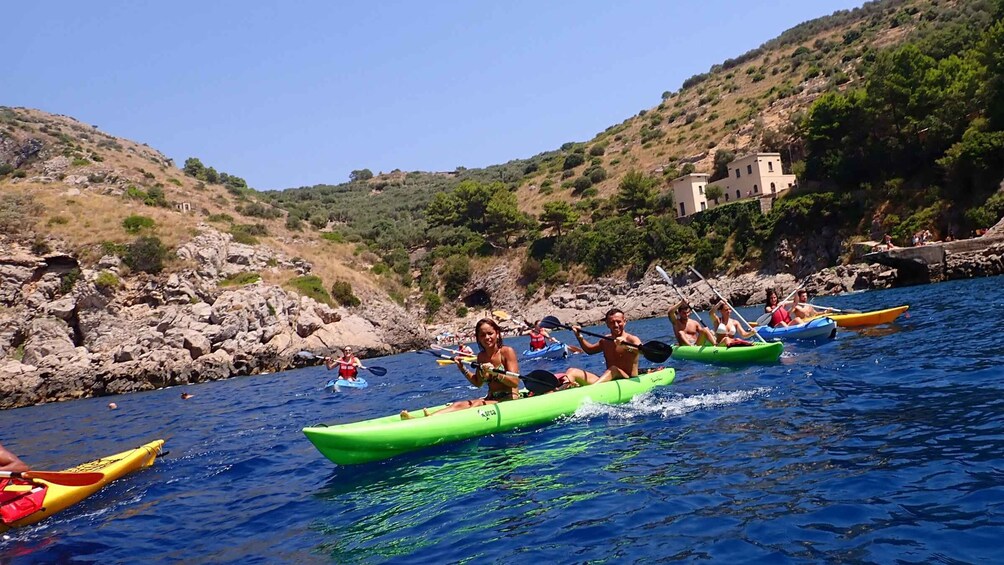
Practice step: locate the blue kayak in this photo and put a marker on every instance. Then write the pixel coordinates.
(339, 383)
(552, 350)
(820, 328)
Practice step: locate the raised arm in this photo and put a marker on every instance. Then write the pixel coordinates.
(590, 348)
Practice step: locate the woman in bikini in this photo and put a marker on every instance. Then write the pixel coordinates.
(493, 354)
(728, 331)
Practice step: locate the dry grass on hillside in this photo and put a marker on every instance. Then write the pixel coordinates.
(86, 213)
(729, 111)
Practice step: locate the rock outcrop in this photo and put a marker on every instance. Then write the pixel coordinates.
(65, 337)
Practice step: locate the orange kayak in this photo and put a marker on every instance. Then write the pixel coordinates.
(872, 318)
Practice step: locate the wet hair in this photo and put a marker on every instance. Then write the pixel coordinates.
(611, 312)
(494, 325)
(771, 291)
(683, 305)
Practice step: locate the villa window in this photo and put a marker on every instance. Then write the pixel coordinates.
(737, 173)
(683, 209)
(773, 189)
(700, 189)
(738, 194)
(704, 206)
(770, 166)
(726, 196)
(756, 190)
(749, 169)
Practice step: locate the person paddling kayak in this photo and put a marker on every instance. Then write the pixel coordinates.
(348, 364)
(493, 354)
(800, 306)
(728, 331)
(10, 462)
(780, 316)
(687, 331)
(622, 361)
(539, 337)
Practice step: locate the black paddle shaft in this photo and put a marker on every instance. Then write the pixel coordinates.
(654, 351)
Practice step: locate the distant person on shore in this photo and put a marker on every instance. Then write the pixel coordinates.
(348, 364)
(728, 331)
(620, 356)
(800, 307)
(493, 354)
(10, 462)
(686, 330)
(538, 337)
(780, 316)
(465, 349)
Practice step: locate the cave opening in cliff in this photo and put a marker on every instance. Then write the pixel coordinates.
(478, 299)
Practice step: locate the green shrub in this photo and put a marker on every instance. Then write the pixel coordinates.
(58, 220)
(462, 311)
(134, 193)
(174, 181)
(432, 302)
(146, 254)
(241, 279)
(80, 162)
(572, 161)
(334, 236)
(220, 218)
(342, 292)
(455, 273)
(19, 174)
(155, 197)
(136, 223)
(106, 281)
(311, 286)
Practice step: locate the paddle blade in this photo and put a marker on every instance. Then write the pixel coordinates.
(378, 371)
(550, 322)
(656, 351)
(306, 355)
(540, 382)
(763, 320)
(60, 478)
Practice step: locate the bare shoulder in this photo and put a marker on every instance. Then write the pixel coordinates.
(631, 338)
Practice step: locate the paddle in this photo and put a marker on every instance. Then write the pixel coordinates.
(765, 319)
(65, 478)
(378, 371)
(654, 351)
(453, 351)
(837, 310)
(669, 281)
(722, 298)
(538, 382)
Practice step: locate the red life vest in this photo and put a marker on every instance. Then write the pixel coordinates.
(537, 340)
(346, 369)
(780, 315)
(15, 505)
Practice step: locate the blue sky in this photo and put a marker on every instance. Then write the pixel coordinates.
(290, 94)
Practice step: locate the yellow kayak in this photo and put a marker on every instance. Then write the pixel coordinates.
(59, 497)
(450, 361)
(872, 318)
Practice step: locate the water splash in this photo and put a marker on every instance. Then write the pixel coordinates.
(651, 404)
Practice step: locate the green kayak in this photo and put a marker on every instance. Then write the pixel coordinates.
(381, 438)
(756, 353)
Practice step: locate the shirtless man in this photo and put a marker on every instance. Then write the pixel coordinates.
(687, 331)
(800, 307)
(621, 358)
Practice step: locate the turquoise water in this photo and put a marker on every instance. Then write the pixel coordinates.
(883, 445)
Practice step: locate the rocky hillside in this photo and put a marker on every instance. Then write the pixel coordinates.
(118, 273)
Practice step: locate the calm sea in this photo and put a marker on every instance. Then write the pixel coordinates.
(884, 445)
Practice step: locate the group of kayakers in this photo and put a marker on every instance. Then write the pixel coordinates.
(619, 348)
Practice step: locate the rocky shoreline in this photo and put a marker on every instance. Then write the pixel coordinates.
(66, 333)
(63, 341)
